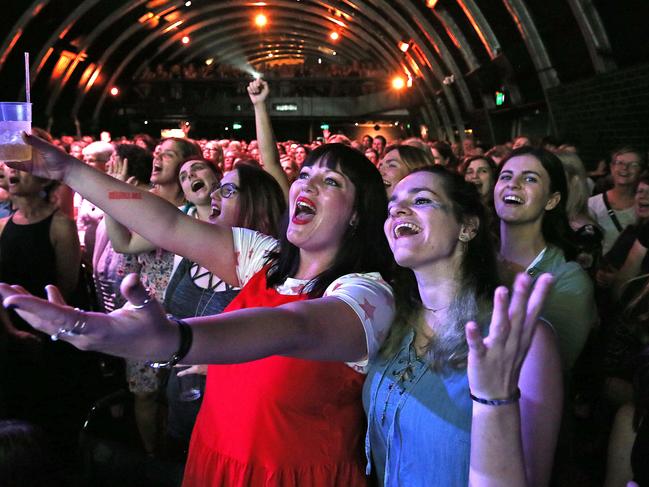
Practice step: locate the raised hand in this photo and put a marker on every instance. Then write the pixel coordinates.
(118, 168)
(140, 330)
(48, 161)
(258, 91)
(194, 369)
(494, 362)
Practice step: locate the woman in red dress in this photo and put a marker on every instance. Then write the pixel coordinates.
(288, 412)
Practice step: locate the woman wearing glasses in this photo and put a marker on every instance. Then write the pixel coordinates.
(246, 197)
(614, 209)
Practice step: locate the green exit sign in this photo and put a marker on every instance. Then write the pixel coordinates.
(500, 98)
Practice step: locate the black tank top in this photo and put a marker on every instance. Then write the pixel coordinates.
(27, 256)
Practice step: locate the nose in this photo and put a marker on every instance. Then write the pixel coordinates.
(398, 209)
(216, 194)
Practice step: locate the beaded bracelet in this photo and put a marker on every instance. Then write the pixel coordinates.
(186, 338)
(498, 402)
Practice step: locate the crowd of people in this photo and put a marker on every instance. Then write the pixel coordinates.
(202, 81)
(352, 312)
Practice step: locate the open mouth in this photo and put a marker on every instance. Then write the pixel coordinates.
(197, 185)
(216, 211)
(513, 200)
(157, 168)
(405, 229)
(14, 180)
(305, 211)
(387, 184)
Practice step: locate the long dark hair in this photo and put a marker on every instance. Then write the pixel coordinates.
(364, 247)
(262, 203)
(478, 277)
(554, 227)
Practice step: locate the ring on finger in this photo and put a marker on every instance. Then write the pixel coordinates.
(77, 328)
(146, 301)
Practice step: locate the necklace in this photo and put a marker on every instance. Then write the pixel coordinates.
(435, 310)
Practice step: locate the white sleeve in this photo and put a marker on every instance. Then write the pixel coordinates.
(251, 249)
(372, 300)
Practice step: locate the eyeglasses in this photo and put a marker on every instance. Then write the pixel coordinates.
(227, 190)
(627, 165)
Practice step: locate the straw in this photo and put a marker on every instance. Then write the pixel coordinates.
(27, 87)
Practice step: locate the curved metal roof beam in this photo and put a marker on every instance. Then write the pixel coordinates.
(457, 37)
(594, 34)
(117, 72)
(85, 46)
(387, 53)
(223, 36)
(19, 27)
(272, 40)
(59, 33)
(481, 27)
(240, 53)
(430, 33)
(535, 46)
(315, 17)
(205, 42)
(320, 32)
(369, 11)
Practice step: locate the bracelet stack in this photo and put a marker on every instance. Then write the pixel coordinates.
(498, 402)
(186, 338)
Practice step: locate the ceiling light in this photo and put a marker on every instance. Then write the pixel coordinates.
(334, 36)
(185, 40)
(398, 83)
(261, 20)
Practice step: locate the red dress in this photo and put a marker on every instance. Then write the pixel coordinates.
(278, 421)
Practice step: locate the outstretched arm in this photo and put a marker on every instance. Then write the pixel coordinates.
(155, 219)
(301, 329)
(258, 91)
(513, 443)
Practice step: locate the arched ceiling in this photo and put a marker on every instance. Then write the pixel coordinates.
(459, 50)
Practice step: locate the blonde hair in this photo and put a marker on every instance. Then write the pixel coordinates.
(578, 193)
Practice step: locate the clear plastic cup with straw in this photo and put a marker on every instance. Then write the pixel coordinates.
(15, 118)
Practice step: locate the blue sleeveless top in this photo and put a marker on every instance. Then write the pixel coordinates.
(419, 422)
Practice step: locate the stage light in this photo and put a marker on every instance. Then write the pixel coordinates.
(188, 3)
(431, 3)
(404, 46)
(334, 36)
(398, 83)
(114, 91)
(209, 61)
(261, 20)
(185, 40)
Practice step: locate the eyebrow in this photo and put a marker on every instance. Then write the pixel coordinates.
(415, 191)
(509, 171)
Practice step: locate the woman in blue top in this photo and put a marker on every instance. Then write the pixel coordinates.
(423, 427)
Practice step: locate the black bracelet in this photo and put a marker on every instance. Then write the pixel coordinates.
(186, 338)
(498, 402)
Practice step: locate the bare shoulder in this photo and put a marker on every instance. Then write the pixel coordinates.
(3, 223)
(62, 225)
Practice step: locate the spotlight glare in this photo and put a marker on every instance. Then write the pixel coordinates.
(334, 36)
(188, 3)
(261, 20)
(398, 83)
(185, 40)
(114, 91)
(209, 61)
(404, 46)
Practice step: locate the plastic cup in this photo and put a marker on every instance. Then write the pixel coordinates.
(15, 117)
(190, 387)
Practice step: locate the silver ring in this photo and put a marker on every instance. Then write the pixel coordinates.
(140, 306)
(77, 328)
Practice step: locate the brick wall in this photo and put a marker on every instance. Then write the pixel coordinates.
(604, 112)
